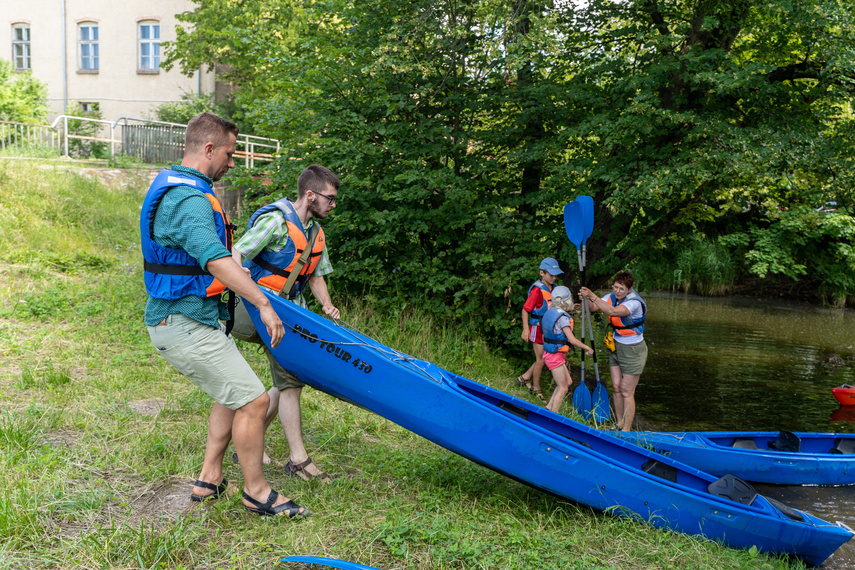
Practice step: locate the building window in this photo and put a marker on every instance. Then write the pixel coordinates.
(21, 46)
(90, 108)
(149, 46)
(88, 34)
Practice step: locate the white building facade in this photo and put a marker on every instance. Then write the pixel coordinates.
(104, 54)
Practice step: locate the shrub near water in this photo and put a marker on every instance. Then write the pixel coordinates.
(92, 476)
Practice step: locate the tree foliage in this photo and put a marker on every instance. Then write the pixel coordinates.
(23, 99)
(461, 128)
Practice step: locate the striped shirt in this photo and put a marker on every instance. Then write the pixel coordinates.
(271, 232)
(185, 219)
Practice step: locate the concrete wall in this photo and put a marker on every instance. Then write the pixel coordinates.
(119, 87)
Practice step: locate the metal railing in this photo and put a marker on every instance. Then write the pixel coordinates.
(155, 142)
(27, 136)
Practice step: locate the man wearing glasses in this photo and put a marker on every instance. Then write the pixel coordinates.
(273, 244)
(626, 311)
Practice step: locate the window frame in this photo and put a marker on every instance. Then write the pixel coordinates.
(25, 45)
(148, 63)
(90, 43)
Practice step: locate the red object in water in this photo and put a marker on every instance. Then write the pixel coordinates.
(845, 394)
(843, 414)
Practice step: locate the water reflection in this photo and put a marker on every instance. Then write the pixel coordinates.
(744, 364)
(739, 364)
(843, 414)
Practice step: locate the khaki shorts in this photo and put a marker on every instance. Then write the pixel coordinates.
(631, 358)
(207, 357)
(244, 329)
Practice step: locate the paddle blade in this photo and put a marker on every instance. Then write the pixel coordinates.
(582, 400)
(586, 203)
(600, 403)
(573, 223)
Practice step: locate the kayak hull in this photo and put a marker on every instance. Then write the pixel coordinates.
(845, 395)
(823, 459)
(533, 445)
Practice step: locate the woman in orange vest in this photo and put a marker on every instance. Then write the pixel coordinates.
(626, 311)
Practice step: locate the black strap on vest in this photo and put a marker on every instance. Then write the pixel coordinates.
(632, 326)
(231, 303)
(174, 269)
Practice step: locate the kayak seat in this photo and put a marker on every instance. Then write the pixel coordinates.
(513, 409)
(729, 486)
(786, 441)
(661, 470)
(843, 446)
(787, 511)
(744, 443)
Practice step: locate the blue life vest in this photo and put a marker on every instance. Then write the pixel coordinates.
(172, 273)
(538, 312)
(625, 326)
(552, 341)
(272, 268)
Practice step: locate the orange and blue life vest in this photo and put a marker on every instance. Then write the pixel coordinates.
(538, 312)
(172, 273)
(627, 326)
(551, 343)
(271, 268)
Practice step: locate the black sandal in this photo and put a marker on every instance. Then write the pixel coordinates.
(523, 383)
(539, 394)
(217, 490)
(289, 508)
(299, 470)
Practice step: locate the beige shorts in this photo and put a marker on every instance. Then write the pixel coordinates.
(207, 357)
(631, 358)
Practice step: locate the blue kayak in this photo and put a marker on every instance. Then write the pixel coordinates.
(782, 458)
(537, 447)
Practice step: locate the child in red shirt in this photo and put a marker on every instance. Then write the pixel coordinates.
(536, 305)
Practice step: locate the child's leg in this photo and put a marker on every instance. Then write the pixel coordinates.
(537, 367)
(562, 386)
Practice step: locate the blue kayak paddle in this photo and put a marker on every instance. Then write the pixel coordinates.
(328, 562)
(600, 398)
(575, 228)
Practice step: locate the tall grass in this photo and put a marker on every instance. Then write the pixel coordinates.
(701, 266)
(88, 480)
(705, 267)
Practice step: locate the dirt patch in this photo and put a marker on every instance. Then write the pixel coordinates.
(60, 438)
(163, 499)
(149, 407)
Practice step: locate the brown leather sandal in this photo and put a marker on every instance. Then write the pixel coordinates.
(299, 470)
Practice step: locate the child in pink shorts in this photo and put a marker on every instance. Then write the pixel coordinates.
(557, 339)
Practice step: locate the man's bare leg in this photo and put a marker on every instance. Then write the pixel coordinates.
(292, 424)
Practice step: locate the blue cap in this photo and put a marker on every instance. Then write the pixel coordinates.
(550, 266)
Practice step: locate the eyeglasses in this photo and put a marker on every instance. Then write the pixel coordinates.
(619, 288)
(332, 199)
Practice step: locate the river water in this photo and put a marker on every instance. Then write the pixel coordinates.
(759, 365)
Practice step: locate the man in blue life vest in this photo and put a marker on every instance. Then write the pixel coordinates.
(276, 237)
(186, 240)
(626, 311)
